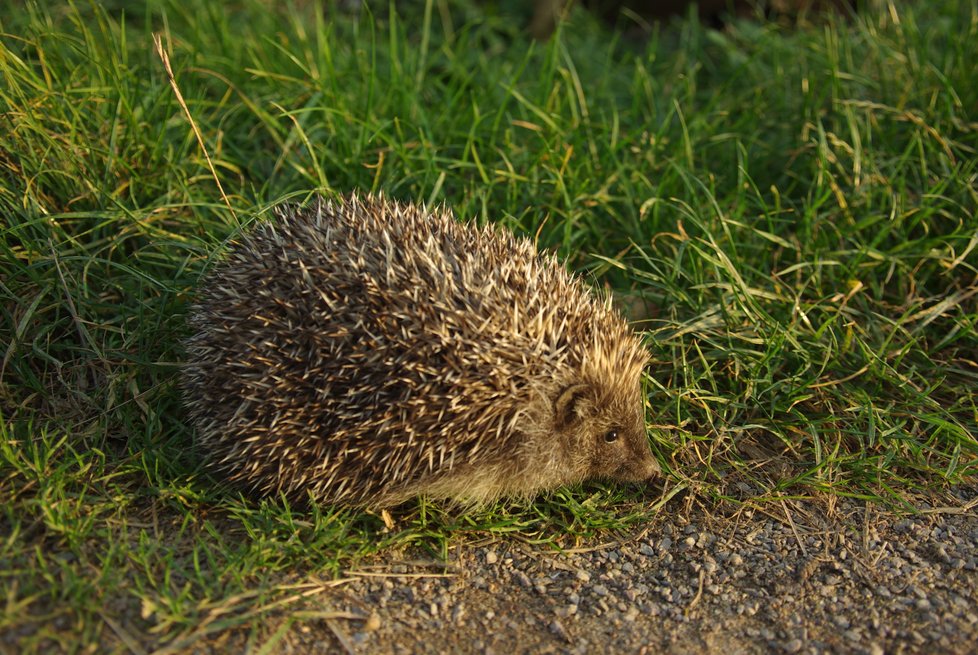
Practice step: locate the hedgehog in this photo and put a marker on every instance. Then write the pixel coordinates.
(361, 352)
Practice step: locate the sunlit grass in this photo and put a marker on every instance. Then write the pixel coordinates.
(790, 214)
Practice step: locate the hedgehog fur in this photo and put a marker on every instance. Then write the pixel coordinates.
(364, 351)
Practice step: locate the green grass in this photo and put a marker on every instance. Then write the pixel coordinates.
(796, 210)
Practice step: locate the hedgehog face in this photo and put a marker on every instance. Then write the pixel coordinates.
(607, 433)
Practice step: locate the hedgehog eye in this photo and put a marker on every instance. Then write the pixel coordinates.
(611, 436)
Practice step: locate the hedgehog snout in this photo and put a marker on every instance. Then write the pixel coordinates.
(649, 468)
(642, 467)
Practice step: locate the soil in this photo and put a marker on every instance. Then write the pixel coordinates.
(814, 576)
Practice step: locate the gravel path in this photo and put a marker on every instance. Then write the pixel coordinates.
(836, 576)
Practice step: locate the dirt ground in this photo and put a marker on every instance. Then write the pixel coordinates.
(826, 576)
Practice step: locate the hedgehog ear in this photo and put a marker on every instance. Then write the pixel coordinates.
(566, 404)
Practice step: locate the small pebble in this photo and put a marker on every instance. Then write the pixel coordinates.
(557, 628)
(372, 623)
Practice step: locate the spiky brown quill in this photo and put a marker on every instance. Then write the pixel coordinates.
(363, 352)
